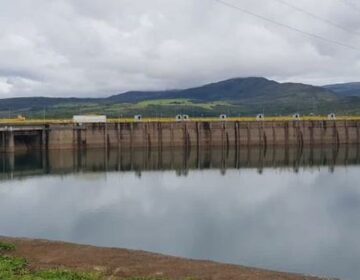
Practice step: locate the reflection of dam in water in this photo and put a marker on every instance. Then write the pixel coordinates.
(93, 160)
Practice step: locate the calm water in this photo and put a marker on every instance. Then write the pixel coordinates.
(284, 210)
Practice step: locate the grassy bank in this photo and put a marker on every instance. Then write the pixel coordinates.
(34, 259)
(15, 268)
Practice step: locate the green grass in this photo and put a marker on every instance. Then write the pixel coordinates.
(163, 102)
(13, 268)
(177, 102)
(6, 247)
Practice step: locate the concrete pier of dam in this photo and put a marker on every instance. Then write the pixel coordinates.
(185, 134)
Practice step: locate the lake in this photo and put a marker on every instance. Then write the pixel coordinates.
(280, 209)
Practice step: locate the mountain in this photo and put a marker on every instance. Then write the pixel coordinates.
(233, 90)
(238, 96)
(346, 89)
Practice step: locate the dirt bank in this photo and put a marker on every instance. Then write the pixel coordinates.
(117, 263)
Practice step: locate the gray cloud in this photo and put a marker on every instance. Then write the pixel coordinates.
(98, 48)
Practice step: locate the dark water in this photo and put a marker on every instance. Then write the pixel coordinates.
(280, 209)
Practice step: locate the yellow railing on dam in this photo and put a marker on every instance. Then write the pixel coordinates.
(172, 119)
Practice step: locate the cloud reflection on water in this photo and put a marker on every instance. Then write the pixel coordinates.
(302, 222)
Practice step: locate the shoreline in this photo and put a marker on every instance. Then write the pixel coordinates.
(118, 263)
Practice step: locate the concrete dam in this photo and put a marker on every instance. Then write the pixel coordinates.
(184, 134)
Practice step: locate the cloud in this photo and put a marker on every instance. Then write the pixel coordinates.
(92, 48)
(5, 87)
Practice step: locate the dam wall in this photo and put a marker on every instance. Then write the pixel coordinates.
(186, 134)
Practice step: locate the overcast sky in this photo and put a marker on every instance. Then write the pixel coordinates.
(104, 47)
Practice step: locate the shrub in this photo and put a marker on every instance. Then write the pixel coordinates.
(6, 247)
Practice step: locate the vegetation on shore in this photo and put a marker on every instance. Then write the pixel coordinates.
(6, 247)
(14, 268)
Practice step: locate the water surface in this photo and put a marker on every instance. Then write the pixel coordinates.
(280, 209)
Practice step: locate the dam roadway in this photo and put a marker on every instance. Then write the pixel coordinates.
(165, 133)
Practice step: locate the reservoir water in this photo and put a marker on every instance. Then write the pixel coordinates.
(280, 209)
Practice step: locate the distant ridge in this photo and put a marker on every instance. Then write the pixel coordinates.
(236, 96)
(345, 89)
